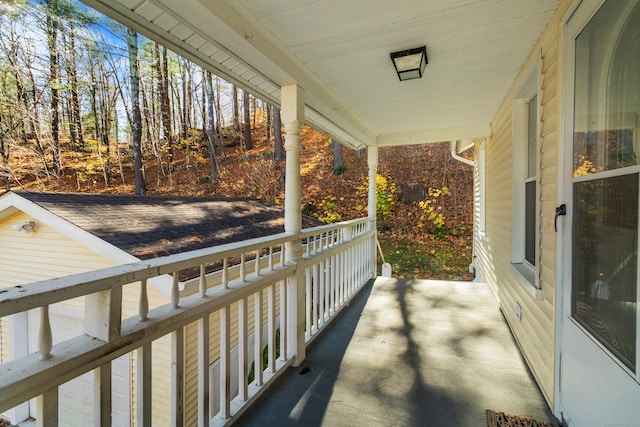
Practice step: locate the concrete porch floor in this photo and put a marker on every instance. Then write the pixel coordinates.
(407, 353)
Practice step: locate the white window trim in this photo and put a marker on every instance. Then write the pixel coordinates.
(482, 194)
(528, 274)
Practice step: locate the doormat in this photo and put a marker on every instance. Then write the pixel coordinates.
(500, 419)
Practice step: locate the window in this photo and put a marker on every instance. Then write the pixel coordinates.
(530, 183)
(525, 192)
(606, 179)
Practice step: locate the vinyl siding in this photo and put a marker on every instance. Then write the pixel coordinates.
(41, 255)
(535, 332)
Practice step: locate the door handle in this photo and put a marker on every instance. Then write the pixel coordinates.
(560, 210)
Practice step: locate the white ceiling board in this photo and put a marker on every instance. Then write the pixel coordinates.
(475, 49)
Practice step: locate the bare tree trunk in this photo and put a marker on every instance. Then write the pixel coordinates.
(235, 107)
(277, 135)
(165, 107)
(248, 142)
(52, 42)
(76, 118)
(203, 102)
(211, 128)
(219, 117)
(105, 127)
(35, 118)
(186, 98)
(136, 122)
(338, 159)
(22, 95)
(268, 124)
(4, 153)
(254, 106)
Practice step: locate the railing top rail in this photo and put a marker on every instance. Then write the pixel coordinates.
(17, 299)
(328, 227)
(21, 298)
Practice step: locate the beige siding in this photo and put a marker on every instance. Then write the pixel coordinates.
(41, 255)
(5, 349)
(44, 254)
(535, 332)
(47, 253)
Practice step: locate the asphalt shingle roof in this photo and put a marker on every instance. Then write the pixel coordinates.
(152, 226)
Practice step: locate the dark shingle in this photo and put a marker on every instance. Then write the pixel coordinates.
(152, 226)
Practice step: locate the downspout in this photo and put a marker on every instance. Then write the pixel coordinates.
(453, 148)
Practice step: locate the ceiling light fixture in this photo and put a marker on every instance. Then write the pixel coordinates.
(410, 63)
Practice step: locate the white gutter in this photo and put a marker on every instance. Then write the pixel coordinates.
(453, 148)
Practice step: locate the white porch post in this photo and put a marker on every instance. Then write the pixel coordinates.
(372, 160)
(292, 113)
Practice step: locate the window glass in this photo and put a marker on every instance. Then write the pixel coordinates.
(532, 137)
(530, 223)
(604, 295)
(604, 275)
(607, 91)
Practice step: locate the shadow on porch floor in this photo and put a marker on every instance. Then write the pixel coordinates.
(407, 353)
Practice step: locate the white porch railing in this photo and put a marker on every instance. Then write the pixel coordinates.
(337, 261)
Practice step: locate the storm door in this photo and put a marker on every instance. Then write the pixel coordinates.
(599, 368)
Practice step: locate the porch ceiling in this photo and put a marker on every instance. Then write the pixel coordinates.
(338, 52)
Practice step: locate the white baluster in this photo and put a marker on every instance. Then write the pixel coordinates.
(225, 273)
(282, 255)
(307, 305)
(332, 281)
(143, 304)
(203, 281)
(257, 334)
(271, 258)
(175, 291)
(257, 265)
(242, 272)
(327, 290)
(316, 297)
(321, 283)
(243, 348)
(225, 365)
(44, 335)
(283, 320)
(271, 337)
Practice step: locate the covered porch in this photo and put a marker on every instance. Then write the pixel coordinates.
(407, 352)
(445, 355)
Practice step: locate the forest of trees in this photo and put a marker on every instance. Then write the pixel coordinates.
(88, 105)
(72, 80)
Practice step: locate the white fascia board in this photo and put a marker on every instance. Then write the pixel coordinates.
(11, 201)
(232, 29)
(434, 135)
